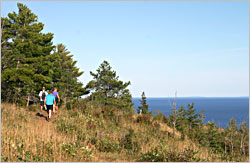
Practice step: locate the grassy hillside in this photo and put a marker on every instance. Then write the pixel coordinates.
(94, 135)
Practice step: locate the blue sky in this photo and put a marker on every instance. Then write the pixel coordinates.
(194, 48)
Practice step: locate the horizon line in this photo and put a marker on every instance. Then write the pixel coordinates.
(199, 97)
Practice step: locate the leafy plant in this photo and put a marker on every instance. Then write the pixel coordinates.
(129, 142)
(162, 155)
(108, 146)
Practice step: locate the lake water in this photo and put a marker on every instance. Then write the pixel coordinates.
(219, 109)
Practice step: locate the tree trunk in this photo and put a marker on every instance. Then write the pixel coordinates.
(225, 146)
(174, 114)
(232, 145)
(241, 144)
(8, 96)
(174, 129)
(243, 147)
(28, 101)
(17, 64)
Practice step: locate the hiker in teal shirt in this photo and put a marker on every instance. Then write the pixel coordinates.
(49, 102)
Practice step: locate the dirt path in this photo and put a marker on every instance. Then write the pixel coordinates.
(42, 115)
(31, 130)
(47, 130)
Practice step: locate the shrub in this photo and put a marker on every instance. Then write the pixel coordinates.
(33, 108)
(65, 127)
(69, 105)
(4, 158)
(70, 149)
(109, 113)
(129, 142)
(23, 117)
(161, 118)
(108, 146)
(145, 118)
(98, 112)
(113, 114)
(156, 125)
(161, 155)
(81, 136)
(90, 125)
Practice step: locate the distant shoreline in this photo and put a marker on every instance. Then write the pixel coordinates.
(197, 97)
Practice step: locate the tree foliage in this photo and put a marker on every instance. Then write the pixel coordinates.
(24, 50)
(144, 105)
(65, 74)
(107, 89)
(28, 63)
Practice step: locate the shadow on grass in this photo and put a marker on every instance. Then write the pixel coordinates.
(41, 115)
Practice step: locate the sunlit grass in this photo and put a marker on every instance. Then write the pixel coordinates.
(78, 136)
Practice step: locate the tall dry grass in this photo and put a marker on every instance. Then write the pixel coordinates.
(27, 137)
(92, 135)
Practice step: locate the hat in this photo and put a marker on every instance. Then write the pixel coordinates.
(43, 87)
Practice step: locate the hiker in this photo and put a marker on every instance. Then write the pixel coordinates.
(55, 93)
(42, 95)
(49, 102)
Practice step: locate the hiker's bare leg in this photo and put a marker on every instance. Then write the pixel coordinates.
(41, 108)
(49, 114)
(53, 108)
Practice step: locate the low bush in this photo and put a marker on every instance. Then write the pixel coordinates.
(33, 108)
(90, 125)
(108, 146)
(145, 118)
(156, 125)
(157, 155)
(23, 117)
(129, 142)
(66, 127)
(161, 118)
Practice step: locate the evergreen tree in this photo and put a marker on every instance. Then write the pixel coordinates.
(65, 74)
(214, 137)
(231, 131)
(25, 54)
(144, 105)
(6, 41)
(181, 122)
(244, 134)
(192, 117)
(107, 89)
(187, 121)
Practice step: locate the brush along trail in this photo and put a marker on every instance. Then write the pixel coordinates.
(28, 136)
(109, 135)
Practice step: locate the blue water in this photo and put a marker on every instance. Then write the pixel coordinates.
(219, 109)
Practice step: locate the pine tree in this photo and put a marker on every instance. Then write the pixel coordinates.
(244, 134)
(231, 131)
(214, 137)
(25, 51)
(6, 41)
(65, 74)
(107, 89)
(181, 121)
(188, 121)
(144, 105)
(6, 49)
(192, 117)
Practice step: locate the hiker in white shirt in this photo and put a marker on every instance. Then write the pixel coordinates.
(42, 95)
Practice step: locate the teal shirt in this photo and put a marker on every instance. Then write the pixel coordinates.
(50, 99)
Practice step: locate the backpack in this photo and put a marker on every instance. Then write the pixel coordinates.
(43, 95)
